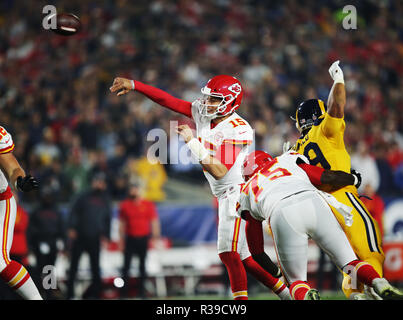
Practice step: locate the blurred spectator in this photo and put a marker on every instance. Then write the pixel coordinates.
(46, 227)
(255, 72)
(87, 127)
(138, 221)
(152, 176)
(395, 155)
(47, 150)
(118, 158)
(89, 226)
(118, 187)
(76, 174)
(363, 162)
(387, 186)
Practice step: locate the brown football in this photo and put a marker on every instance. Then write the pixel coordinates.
(67, 24)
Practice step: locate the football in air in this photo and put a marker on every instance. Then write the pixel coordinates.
(67, 24)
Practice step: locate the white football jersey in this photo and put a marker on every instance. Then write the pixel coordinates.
(6, 145)
(233, 130)
(279, 179)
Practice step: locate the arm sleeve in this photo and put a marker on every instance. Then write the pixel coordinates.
(314, 173)
(327, 180)
(164, 99)
(254, 234)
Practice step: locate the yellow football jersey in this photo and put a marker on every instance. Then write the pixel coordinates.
(324, 145)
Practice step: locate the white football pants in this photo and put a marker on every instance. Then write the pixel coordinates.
(231, 229)
(8, 211)
(300, 217)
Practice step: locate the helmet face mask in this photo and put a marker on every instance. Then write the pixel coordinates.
(305, 124)
(221, 96)
(307, 113)
(212, 105)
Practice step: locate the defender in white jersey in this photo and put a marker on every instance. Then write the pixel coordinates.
(11, 272)
(281, 191)
(220, 146)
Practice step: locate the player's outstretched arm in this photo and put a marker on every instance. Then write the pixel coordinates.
(335, 180)
(16, 175)
(122, 86)
(337, 96)
(330, 180)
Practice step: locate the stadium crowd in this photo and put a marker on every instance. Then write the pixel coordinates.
(54, 96)
(65, 123)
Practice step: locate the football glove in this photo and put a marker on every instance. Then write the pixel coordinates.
(286, 146)
(27, 183)
(336, 73)
(357, 178)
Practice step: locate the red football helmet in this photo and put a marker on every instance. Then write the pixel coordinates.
(228, 89)
(253, 162)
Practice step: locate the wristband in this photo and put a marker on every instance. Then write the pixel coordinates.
(197, 149)
(339, 79)
(132, 82)
(355, 179)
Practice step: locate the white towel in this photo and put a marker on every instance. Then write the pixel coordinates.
(343, 209)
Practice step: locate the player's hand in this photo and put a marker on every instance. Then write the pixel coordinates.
(336, 73)
(27, 183)
(357, 178)
(286, 146)
(122, 86)
(185, 131)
